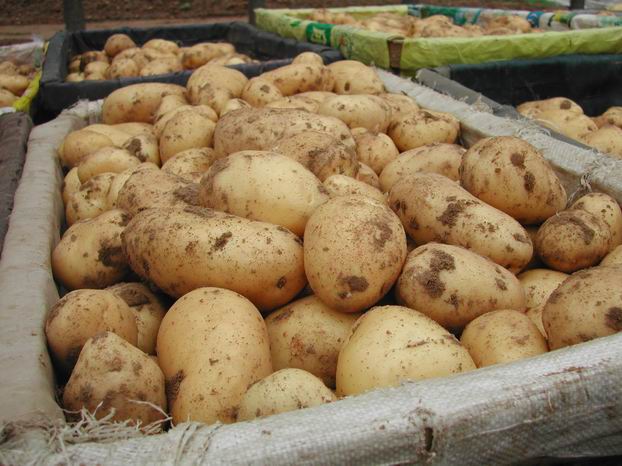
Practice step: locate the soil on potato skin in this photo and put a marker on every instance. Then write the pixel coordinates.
(51, 11)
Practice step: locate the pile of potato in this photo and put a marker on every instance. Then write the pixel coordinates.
(432, 26)
(565, 116)
(123, 58)
(14, 80)
(244, 247)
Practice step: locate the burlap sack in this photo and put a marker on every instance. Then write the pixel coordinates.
(562, 404)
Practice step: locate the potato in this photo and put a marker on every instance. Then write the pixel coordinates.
(573, 240)
(96, 67)
(309, 58)
(342, 185)
(117, 43)
(347, 278)
(115, 186)
(168, 104)
(7, 98)
(434, 208)
(16, 84)
(502, 336)
(260, 261)
(198, 55)
(584, 307)
(262, 128)
(607, 139)
(614, 257)
(375, 150)
(437, 279)
(539, 284)
(264, 186)
(163, 65)
(190, 164)
(260, 92)
(8, 67)
(605, 207)
(97, 76)
(401, 105)
(148, 309)
(320, 153)
(535, 314)
(367, 176)
(215, 85)
(78, 144)
(148, 187)
(422, 128)
(135, 129)
(234, 104)
(186, 130)
(89, 254)
(137, 102)
(441, 158)
(390, 345)
(202, 110)
(82, 314)
(613, 116)
(162, 45)
(123, 68)
(105, 160)
(116, 135)
(567, 123)
(307, 334)
(144, 147)
(71, 185)
(512, 176)
(283, 391)
(353, 77)
(225, 349)
(533, 109)
(316, 96)
(296, 102)
(90, 200)
(74, 65)
(110, 376)
(299, 77)
(358, 111)
(91, 56)
(135, 54)
(74, 77)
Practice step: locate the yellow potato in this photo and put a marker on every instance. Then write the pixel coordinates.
(342, 185)
(502, 336)
(215, 85)
(353, 77)
(586, 306)
(105, 160)
(358, 111)
(162, 120)
(283, 391)
(532, 109)
(190, 164)
(186, 130)
(7, 98)
(401, 105)
(535, 314)
(351, 278)
(539, 284)
(605, 207)
(390, 345)
(137, 102)
(117, 43)
(162, 65)
(567, 123)
(422, 128)
(16, 84)
(225, 350)
(96, 67)
(613, 116)
(71, 185)
(299, 77)
(234, 104)
(122, 68)
(367, 176)
(310, 58)
(144, 147)
(607, 139)
(296, 102)
(78, 144)
(162, 45)
(614, 257)
(90, 200)
(376, 150)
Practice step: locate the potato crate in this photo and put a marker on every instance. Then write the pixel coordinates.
(26, 53)
(564, 33)
(563, 404)
(56, 94)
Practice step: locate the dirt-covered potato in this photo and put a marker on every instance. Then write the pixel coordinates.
(607, 139)
(264, 186)
(89, 254)
(116, 135)
(117, 43)
(14, 83)
(162, 65)
(233, 104)
(90, 200)
(137, 102)
(199, 54)
(351, 278)
(613, 116)
(342, 185)
(105, 160)
(605, 207)
(74, 77)
(283, 391)
(215, 85)
(190, 164)
(202, 110)
(163, 45)
(135, 129)
(212, 345)
(82, 314)
(320, 153)
(539, 284)
(144, 147)
(401, 105)
(310, 58)
(122, 68)
(168, 104)
(96, 67)
(367, 176)
(299, 77)
(573, 240)
(78, 144)
(441, 158)
(453, 285)
(307, 334)
(389, 345)
(262, 128)
(148, 308)
(585, 306)
(435, 208)
(534, 108)
(567, 123)
(358, 111)
(110, 376)
(512, 176)
(297, 102)
(148, 187)
(71, 185)
(186, 130)
(91, 56)
(614, 257)
(353, 77)
(135, 54)
(7, 98)
(422, 128)
(262, 262)
(502, 336)
(376, 150)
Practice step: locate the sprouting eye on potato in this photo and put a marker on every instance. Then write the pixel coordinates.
(238, 248)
